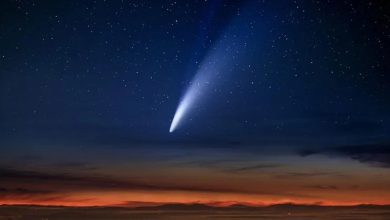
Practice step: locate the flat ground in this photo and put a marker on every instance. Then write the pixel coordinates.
(297, 213)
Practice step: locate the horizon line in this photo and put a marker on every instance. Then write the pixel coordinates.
(210, 205)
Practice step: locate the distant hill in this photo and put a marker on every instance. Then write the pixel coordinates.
(202, 206)
(241, 207)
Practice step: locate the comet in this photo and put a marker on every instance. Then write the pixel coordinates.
(202, 83)
(195, 91)
(221, 59)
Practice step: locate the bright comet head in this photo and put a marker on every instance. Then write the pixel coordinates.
(181, 110)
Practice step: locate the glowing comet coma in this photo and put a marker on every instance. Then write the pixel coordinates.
(180, 113)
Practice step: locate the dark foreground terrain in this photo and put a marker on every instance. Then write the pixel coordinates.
(190, 212)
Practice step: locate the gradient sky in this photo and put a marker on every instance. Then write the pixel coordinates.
(299, 112)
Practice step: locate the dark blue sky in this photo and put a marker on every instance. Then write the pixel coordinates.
(81, 69)
(77, 76)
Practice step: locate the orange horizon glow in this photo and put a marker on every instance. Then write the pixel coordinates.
(152, 204)
(140, 199)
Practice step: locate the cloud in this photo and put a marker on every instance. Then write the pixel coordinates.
(373, 154)
(324, 187)
(231, 165)
(68, 182)
(22, 191)
(75, 165)
(306, 174)
(332, 187)
(255, 167)
(32, 195)
(63, 183)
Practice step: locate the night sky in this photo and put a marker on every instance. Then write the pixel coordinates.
(290, 102)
